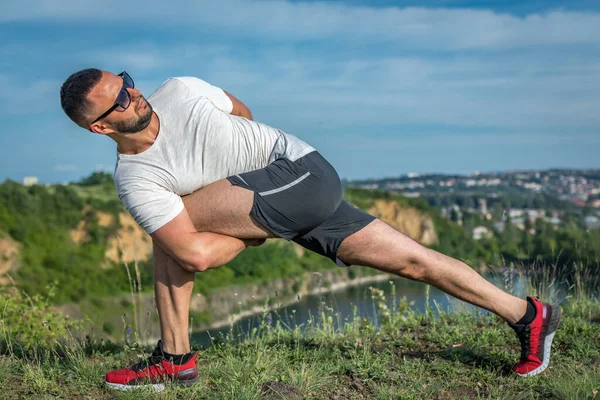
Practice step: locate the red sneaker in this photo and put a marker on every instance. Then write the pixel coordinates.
(154, 372)
(536, 338)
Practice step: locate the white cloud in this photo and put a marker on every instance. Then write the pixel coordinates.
(368, 142)
(308, 91)
(378, 70)
(148, 56)
(510, 93)
(105, 168)
(281, 20)
(65, 167)
(21, 98)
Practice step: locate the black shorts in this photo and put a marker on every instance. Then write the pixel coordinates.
(302, 201)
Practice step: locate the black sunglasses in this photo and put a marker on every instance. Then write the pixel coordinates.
(123, 98)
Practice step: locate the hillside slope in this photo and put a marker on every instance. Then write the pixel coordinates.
(83, 240)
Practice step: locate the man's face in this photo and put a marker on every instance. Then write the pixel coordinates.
(132, 120)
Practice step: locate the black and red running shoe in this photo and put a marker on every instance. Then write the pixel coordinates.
(155, 372)
(536, 338)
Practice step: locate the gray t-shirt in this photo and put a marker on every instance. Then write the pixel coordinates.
(198, 143)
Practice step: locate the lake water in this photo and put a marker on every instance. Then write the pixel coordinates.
(342, 303)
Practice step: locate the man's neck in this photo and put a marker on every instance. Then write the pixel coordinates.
(136, 143)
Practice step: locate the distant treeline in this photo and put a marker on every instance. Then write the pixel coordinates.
(40, 218)
(501, 202)
(563, 245)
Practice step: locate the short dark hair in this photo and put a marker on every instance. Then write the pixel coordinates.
(74, 92)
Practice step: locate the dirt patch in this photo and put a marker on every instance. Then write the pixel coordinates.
(278, 390)
(407, 220)
(130, 243)
(79, 235)
(104, 219)
(461, 393)
(9, 258)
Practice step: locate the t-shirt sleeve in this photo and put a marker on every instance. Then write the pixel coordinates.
(200, 88)
(150, 205)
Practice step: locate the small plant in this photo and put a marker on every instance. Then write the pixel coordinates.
(31, 321)
(383, 311)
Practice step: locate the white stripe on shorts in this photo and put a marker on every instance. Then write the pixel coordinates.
(242, 179)
(285, 187)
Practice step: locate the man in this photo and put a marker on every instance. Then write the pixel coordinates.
(242, 182)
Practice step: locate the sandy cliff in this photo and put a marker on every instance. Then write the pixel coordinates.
(131, 243)
(9, 257)
(410, 221)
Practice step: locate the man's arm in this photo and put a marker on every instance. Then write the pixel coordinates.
(239, 108)
(198, 251)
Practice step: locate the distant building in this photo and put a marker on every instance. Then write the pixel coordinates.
(515, 213)
(500, 226)
(480, 232)
(518, 222)
(591, 222)
(30, 181)
(554, 220)
(535, 214)
(369, 186)
(453, 213)
(483, 209)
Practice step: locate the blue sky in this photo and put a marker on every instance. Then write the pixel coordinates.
(381, 88)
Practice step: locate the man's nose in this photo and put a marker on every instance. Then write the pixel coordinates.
(135, 93)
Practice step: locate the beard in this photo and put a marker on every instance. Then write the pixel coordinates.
(134, 125)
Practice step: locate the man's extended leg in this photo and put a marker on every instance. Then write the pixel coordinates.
(382, 247)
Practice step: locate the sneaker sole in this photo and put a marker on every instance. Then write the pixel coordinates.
(552, 327)
(157, 387)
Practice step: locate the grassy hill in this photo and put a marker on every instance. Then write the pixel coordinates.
(399, 355)
(402, 355)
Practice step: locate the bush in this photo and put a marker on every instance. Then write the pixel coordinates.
(32, 322)
(108, 328)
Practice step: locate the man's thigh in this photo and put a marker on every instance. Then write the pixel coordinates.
(327, 238)
(223, 208)
(380, 246)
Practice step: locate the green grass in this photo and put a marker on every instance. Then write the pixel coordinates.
(410, 356)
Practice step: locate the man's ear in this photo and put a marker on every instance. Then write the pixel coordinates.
(100, 128)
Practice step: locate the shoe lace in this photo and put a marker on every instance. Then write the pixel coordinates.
(152, 361)
(524, 338)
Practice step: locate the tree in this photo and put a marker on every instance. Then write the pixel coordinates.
(96, 178)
